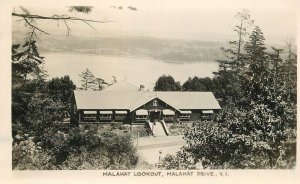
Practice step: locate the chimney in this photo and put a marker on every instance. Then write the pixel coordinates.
(141, 87)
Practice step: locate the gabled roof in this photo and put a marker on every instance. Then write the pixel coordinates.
(121, 86)
(144, 98)
(189, 100)
(106, 99)
(131, 100)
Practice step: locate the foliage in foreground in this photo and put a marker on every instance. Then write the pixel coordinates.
(217, 146)
(38, 110)
(27, 155)
(80, 148)
(257, 128)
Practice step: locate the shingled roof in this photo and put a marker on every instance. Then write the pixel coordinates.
(132, 100)
(106, 99)
(122, 86)
(190, 100)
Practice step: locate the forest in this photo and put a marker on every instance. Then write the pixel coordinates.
(256, 128)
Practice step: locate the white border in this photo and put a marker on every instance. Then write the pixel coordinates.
(32, 177)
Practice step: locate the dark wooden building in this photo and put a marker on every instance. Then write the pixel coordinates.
(122, 102)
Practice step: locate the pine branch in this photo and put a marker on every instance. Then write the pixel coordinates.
(56, 17)
(33, 26)
(68, 28)
(30, 21)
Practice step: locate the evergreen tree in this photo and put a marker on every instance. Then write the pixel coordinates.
(291, 64)
(289, 72)
(255, 131)
(231, 68)
(257, 68)
(61, 88)
(235, 53)
(88, 81)
(25, 60)
(276, 60)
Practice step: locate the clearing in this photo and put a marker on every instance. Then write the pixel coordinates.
(149, 147)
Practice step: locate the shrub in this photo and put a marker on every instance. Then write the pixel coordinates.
(106, 150)
(142, 131)
(117, 125)
(79, 148)
(26, 155)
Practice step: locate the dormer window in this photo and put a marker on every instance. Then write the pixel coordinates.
(155, 103)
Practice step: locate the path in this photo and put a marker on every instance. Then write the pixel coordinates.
(158, 129)
(149, 147)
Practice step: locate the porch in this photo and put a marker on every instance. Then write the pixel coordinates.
(141, 116)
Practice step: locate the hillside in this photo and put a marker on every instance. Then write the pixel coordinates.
(161, 49)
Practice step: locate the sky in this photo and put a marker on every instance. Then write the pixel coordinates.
(206, 20)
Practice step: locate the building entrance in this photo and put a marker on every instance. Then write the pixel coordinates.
(155, 116)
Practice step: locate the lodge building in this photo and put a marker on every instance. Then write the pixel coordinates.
(123, 102)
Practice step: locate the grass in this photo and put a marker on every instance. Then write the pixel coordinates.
(141, 130)
(133, 130)
(178, 128)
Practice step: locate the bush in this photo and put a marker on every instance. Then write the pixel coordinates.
(106, 150)
(79, 148)
(180, 161)
(117, 125)
(143, 165)
(26, 155)
(179, 129)
(142, 131)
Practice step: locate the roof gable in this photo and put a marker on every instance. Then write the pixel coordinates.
(131, 100)
(148, 98)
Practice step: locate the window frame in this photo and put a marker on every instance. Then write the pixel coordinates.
(89, 117)
(184, 116)
(120, 116)
(155, 103)
(105, 116)
(141, 117)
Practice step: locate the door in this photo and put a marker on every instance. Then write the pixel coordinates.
(154, 116)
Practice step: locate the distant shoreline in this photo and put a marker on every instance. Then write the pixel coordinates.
(134, 69)
(126, 56)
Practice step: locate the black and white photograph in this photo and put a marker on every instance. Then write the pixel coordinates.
(152, 88)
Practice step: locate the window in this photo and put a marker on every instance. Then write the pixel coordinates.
(184, 116)
(105, 116)
(141, 117)
(168, 117)
(120, 116)
(155, 103)
(207, 117)
(89, 117)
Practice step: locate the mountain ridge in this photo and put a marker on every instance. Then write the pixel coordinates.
(169, 50)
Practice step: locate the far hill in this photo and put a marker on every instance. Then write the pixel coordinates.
(161, 49)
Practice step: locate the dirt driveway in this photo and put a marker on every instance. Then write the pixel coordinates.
(149, 147)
